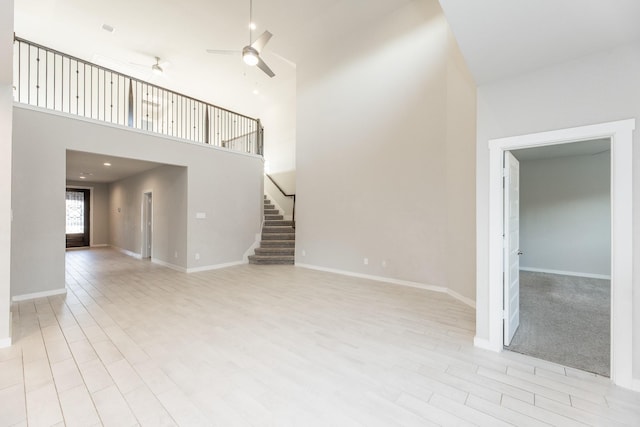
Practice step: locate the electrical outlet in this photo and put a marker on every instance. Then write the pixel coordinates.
(384, 264)
(304, 253)
(197, 257)
(175, 254)
(366, 261)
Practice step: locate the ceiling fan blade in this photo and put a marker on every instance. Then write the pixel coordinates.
(264, 67)
(224, 52)
(261, 41)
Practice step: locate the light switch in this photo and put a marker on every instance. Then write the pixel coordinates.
(201, 215)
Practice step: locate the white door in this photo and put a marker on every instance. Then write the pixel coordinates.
(511, 247)
(147, 215)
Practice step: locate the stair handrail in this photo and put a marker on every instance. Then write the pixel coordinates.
(293, 215)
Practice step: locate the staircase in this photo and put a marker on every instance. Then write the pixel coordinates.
(278, 239)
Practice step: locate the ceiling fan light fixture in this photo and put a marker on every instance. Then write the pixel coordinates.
(250, 56)
(157, 70)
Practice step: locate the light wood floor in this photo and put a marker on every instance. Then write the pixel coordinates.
(133, 343)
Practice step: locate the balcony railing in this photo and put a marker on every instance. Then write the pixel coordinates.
(50, 79)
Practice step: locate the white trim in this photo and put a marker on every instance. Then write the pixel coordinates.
(127, 252)
(636, 385)
(621, 134)
(91, 190)
(392, 281)
(16, 104)
(5, 342)
(25, 297)
(100, 245)
(251, 250)
(168, 265)
(215, 266)
(483, 344)
(567, 273)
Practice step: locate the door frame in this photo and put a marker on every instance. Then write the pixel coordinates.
(82, 187)
(146, 251)
(621, 136)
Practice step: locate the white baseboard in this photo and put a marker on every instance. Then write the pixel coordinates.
(424, 286)
(5, 342)
(100, 245)
(215, 266)
(168, 265)
(635, 385)
(25, 297)
(127, 252)
(485, 344)
(566, 273)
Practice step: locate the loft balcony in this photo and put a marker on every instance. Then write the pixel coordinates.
(53, 80)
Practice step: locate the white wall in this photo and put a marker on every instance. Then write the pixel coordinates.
(565, 214)
(595, 89)
(99, 210)
(226, 186)
(385, 158)
(6, 120)
(168, 185)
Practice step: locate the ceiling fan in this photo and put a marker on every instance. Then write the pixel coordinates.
(158, 68)
(251, 52)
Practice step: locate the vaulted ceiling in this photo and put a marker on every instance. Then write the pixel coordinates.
(504, 38)
(181, 31)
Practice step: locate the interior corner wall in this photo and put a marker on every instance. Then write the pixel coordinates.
(226, 186)
(565, 215)
(599, 88)
(168, 185)
(374, 145)
(6, 124)
(99, 210)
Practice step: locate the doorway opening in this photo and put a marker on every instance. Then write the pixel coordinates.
(147, 224)
(78, 218)
(491, 307)
(562, 259)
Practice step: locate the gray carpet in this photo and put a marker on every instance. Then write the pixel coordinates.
(566, 320)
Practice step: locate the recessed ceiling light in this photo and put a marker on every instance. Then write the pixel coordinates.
(107, 164)
(256, 92)
(252, 25)
(83, 177)
(108, 28)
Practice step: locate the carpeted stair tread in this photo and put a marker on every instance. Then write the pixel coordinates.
(278, 223)
(276, 251)
(266, 206)
(277, 229)
(271, 212)
(278, 236)
(273, 217)
(278, 244)
(271, 260)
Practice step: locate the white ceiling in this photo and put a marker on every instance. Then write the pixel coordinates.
(505, 38)
(181, 31)
(92, 167)
(582, 148)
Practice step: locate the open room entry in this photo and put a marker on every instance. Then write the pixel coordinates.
(620, 134)
(563, 247)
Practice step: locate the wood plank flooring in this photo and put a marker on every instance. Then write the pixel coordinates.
(133, 343)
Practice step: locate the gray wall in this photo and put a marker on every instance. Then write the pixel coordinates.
(226, 186)
(385, 153)
(565, 214)
(168, 185)
(99, 211)
(594, 89)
